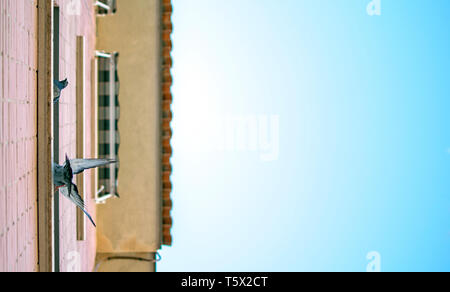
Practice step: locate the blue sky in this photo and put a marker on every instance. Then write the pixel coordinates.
(355, 109)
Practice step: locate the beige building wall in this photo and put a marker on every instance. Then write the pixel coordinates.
(133, 222)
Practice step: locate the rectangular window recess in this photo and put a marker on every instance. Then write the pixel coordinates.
(56, 48)
(108, 115)
(81, 130)
(46, 221)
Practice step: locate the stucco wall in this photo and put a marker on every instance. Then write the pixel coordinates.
(18, 135)
(126, 263)
(75, 21)
(133, 222)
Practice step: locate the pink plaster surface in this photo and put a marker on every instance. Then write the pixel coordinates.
(18, 135)
(75, 21)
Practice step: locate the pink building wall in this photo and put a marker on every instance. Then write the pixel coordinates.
(75, 21)
(18, 135)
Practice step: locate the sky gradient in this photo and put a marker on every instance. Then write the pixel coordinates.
(363, 158)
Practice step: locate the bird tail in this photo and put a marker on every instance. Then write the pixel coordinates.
(89, 216)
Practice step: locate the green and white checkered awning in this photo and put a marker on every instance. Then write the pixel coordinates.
(108, 134)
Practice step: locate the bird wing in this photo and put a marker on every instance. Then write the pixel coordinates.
(76, 199)
(79, 165)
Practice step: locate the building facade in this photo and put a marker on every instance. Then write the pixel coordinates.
(43, 40)
(18, 136)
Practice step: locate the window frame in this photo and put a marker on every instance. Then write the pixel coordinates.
(81, 128)
(112, 126)
(46, 225)
(56, 144)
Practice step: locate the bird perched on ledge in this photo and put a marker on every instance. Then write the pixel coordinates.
(63, 176)
(58, 86)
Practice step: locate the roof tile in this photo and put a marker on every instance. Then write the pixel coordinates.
(166, 130)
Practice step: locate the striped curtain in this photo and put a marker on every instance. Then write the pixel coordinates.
(104, 129)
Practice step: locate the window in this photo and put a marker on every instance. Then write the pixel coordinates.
(108, 116)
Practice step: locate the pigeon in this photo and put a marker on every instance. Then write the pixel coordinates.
(76, 199)
(63, 176)
(58, 86)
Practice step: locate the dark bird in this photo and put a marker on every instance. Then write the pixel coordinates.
(58, 86)
(63, 177)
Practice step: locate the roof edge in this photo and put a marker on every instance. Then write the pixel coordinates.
(166, 111)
